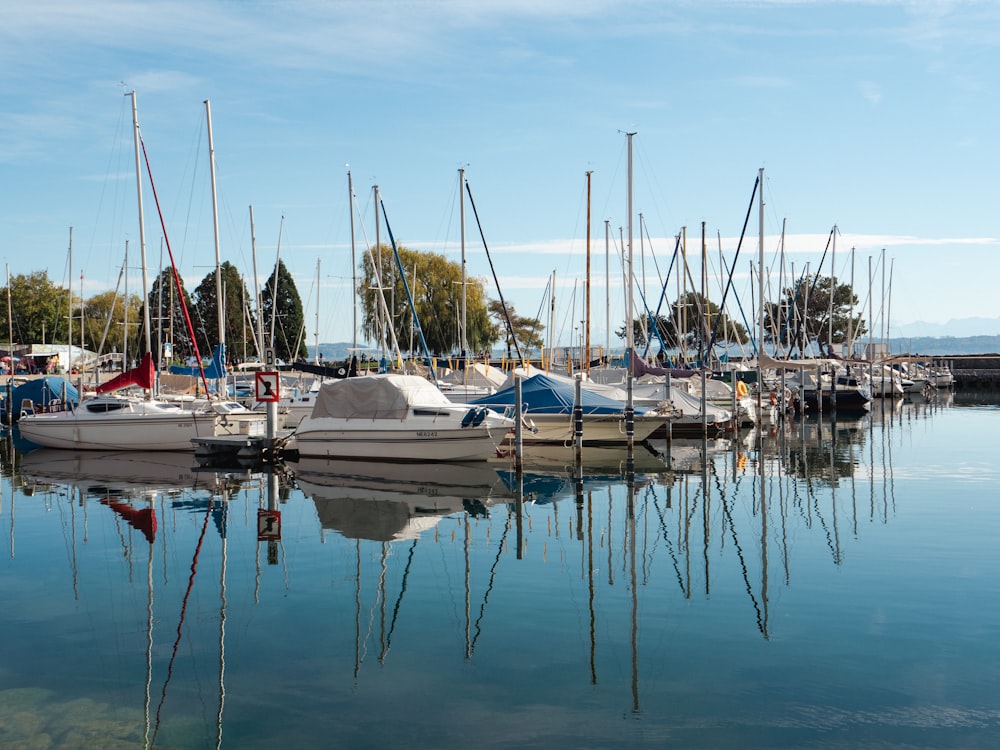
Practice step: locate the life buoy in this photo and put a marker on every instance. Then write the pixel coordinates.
(741, 388)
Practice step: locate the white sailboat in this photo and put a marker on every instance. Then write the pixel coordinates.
(121, 421)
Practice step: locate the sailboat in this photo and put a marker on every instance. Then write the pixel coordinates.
(120, 421)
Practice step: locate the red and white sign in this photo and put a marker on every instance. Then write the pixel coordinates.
(268, 525)
(267, 386)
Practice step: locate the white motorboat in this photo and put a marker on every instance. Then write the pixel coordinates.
(399, 418)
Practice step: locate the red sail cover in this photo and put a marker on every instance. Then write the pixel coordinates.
(143, 376)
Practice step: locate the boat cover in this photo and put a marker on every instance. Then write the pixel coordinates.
(44, 391)
(541, 394)
(387, 396)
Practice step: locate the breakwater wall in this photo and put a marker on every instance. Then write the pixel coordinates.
(975, 372)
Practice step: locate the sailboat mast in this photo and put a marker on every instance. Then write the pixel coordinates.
(147, 328)
(256, 290)
(69, 335)
(220, 300)
(586, 345)
(607, 287)
(463, 340)
(316, 336)
(629, 395)
(760, 282)
(378, 259)
(354, 265)
(833, 288)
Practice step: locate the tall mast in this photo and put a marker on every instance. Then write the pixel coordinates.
(354, 265)
(629, 404)
(607, 287)
(378, 259)
(220, 301)
(586, 345)
(760, 276)
(142, 229)
(69, 335)
(833, 288)
(463, 340)
(316, 338)
(10, 323)
(256, 291)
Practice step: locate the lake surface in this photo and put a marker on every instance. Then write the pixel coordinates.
(827, 584)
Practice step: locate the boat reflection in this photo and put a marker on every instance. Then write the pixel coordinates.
(386, 501)
(131, 474)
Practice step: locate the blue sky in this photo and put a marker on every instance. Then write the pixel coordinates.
(878, 117)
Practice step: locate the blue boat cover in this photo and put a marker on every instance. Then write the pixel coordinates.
(541, 394)
(214, 371)
(42, 392)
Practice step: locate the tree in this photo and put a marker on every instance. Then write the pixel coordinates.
(528, 331)
(691, 324)
(104, 321)
(803, 314)
(40, 309)
(281, 307)
(166, 319)
(238, 330)
(436, 286)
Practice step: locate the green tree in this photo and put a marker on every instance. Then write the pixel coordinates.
(166, 319)
(528, 331)
(690, 325)
(104, 315)
(436, 286)
(40, 309)
(239, 331)
(281, 307)
(803, 314)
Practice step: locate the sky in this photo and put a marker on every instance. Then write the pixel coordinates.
(878, 117)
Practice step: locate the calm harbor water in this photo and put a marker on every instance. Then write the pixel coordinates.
(828, 584)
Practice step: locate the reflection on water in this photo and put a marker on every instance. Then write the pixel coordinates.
(823, 582)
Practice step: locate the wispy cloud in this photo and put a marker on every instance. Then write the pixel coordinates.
(871, 91)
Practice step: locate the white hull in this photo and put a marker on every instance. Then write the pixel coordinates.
(598, 429)
(134, 426)
(325, 438)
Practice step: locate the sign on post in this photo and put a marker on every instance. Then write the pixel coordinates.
(267, 386)
(268, 525)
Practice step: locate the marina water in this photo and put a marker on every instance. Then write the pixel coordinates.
(826, 583)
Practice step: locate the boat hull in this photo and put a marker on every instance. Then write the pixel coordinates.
(433, 443)
(132, 432)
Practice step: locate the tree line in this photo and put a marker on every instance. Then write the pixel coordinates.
(114, 322)
(394, 295)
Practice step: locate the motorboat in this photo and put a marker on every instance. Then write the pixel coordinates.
(396, 417)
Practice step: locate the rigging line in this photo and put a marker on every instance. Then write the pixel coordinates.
(399, 599)
(654, 319)
(728, 516)
(173, 266)
(489, 587)
(815, 281)
(493, 270)
(409, 294)
(739, 245)
(180, 622)
(670, 545)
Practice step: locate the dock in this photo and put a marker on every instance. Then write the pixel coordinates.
(244, 450)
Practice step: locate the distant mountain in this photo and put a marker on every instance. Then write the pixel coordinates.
(960, 328)
(943, 346)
